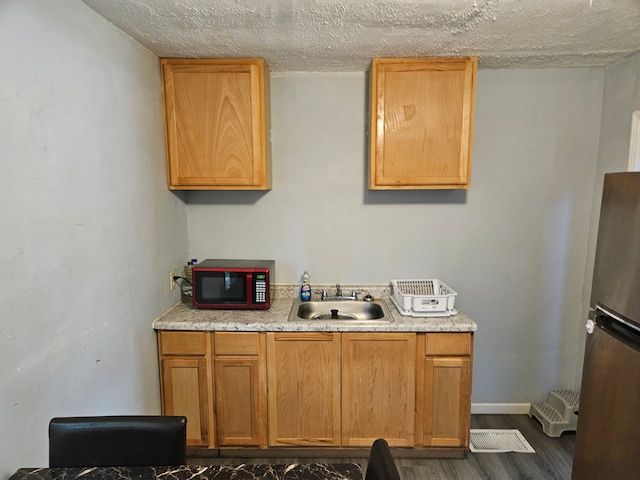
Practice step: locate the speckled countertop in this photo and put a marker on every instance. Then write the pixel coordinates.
(183, 317)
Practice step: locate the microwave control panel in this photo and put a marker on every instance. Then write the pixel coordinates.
(260, 288)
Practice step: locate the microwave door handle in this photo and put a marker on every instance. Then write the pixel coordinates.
(249, 288)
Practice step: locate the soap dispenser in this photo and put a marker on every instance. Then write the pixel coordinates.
(305, 289)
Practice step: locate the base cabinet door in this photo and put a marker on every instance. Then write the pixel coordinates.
(444, 389)
(448, 413)
(378, 388)
(303, 389)
(240, 389)
(185, 382)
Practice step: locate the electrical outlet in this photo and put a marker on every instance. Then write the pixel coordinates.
(171, 280)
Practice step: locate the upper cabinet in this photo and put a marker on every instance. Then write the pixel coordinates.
(421, 123)
(217, 124)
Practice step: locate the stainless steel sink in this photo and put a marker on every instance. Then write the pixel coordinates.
(345, 311)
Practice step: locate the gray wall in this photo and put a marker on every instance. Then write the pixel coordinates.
(89, 230)
(513, 246)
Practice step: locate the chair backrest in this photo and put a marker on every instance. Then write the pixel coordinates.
(381, 465)
(111, 441)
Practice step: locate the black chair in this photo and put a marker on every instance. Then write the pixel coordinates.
(117, 441)
(381, 465)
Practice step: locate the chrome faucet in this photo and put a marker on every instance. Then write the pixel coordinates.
(354, 294)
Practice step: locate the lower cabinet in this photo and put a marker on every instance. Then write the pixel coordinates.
(318, 389)
(304, 389)
(444, 389)
(185, 382)
(240, 389)
(378, 388)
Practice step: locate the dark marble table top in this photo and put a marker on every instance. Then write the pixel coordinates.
(263, 471)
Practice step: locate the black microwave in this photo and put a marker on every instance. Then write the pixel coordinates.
(233, 284)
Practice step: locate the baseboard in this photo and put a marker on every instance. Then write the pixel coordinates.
(500, 408)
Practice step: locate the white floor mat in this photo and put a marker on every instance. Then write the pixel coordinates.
(499, 441)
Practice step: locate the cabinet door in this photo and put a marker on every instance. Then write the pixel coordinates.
(378, 388)
(447, 407)
(240, 388)
(184, 392)
(304, 389)
(216, 124)
(421, 123)
(444, 389)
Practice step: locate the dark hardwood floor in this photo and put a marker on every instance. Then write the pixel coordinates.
(552, 460)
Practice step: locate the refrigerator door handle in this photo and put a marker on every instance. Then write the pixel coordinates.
(617, 318)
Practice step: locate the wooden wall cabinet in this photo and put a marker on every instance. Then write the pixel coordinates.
(421, 123)
(444, 389)
(217, 124)
(240, 389)
(304, 389)
(185, 382)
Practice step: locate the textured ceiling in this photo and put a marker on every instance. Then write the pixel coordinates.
(343, 35)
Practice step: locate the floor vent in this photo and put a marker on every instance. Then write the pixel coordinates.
(499, 441)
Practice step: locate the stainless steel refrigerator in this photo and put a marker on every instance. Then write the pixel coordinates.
(608, 431)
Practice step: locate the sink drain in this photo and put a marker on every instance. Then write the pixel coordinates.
(334, 315)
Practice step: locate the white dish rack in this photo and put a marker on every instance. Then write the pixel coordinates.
(423, 298)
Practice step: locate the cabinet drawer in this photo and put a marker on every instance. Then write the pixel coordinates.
(183, 343)
(236, 343)
(447, 344)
